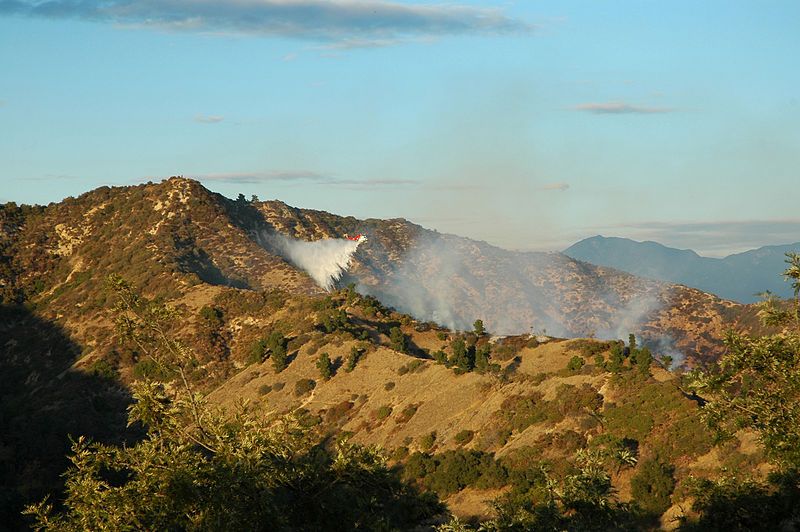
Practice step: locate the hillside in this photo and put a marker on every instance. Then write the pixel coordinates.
(739, 277)
(180, 239)
(242, 308)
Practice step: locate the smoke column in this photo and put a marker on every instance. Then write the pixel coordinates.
(324, 260)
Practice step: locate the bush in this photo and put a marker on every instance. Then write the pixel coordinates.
(575, 363)
(427, 441)
(652, 486)
(149, 369)
(303, 386)
(383, 412)
(464, 437)
(407, 413)
(338, 411)
(352, 359)
(101, 368)
(278, 386)
(415, 366)
(389, 386)
(264, 389)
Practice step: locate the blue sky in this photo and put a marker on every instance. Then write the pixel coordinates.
(526, 124)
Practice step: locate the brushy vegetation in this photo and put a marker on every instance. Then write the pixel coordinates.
(200, 469)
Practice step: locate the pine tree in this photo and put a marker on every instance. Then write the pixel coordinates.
(325, 366)
(616, 358)
(398, 340)
(482, 358)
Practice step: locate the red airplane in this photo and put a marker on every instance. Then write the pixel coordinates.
(356, 238)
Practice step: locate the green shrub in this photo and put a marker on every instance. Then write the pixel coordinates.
(264, 389)
(575, 363)
(303, 386)
(407, 413)
(453, 471)
(383, 412)
(652, 486)
(415, 366)
(427, 441)
(352, 359)
(400, 453)
(464, 437)
(389, 386)
(147, 368)
(440, 357)
(103, 369)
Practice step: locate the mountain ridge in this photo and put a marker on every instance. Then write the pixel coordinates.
(177, 234)
(738, 277)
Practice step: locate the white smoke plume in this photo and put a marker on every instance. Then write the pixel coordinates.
(324, 260)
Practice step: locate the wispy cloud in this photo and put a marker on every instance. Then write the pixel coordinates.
(321, 20)
(50, 177)
(266, 177)
(620, 108)
(302, 177)
(367, 183)
(561, 187)
(209, 119)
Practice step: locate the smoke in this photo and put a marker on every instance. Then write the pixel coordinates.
(324, 260)
(426, 284)
(453, 281)
(628, 316)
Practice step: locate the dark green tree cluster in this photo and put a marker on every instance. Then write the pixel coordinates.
(275, 347)
(463, 356)
(452, 471)
(334, 320)
(639, 357)
(398, 340)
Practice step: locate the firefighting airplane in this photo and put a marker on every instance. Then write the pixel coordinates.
(356, 238)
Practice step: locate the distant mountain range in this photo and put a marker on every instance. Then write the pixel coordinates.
(737, 277)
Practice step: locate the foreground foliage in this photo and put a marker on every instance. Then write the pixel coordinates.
(199, 468)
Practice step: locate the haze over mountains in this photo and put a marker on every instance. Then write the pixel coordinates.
(739, 277)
